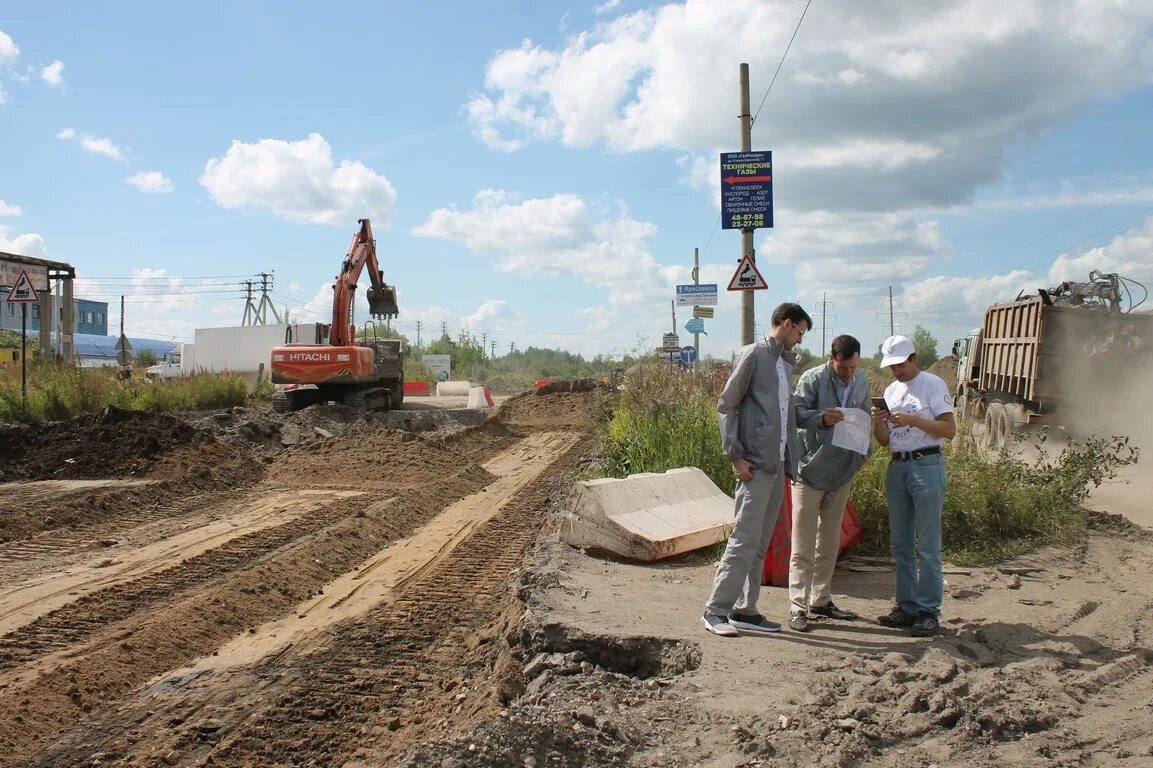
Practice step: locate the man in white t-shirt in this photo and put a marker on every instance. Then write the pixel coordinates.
(917, 419)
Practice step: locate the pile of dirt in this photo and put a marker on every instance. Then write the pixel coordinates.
(381, 457)
(561, 410)
(267, 434)
(121, 444)
(946, 369)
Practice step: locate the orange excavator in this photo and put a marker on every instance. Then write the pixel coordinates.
(368, 374)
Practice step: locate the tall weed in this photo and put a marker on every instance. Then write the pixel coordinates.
(58, 391)
(666, 418)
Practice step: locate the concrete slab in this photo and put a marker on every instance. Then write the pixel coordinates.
(648, 516)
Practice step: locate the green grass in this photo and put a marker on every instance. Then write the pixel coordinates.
(62, 391)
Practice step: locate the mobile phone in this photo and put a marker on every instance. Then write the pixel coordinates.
(879, 402)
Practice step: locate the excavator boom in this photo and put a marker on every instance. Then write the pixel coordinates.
(381, 296)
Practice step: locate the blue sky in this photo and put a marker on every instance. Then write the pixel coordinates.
(541, 172)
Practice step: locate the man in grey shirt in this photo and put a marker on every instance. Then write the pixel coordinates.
(759, 437)
(823, 480)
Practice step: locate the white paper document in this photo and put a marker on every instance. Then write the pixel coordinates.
(853, 433)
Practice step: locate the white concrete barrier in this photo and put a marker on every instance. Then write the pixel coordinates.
(479, 397)
(648, 516)
(453, 388)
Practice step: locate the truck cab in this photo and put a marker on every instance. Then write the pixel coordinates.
(967, 350)
(178, 362)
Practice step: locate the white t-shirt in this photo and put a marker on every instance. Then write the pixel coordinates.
(926, 396)
(784, 394)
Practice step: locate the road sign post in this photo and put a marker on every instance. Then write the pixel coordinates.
(23, 293)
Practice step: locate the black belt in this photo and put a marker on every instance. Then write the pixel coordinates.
(917, 454)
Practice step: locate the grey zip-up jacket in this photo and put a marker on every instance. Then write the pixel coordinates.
(749, 409)
(823, 465)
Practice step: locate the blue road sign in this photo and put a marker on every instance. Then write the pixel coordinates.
(695, 325)
(688, 355)
(746, 190)
(704, 295)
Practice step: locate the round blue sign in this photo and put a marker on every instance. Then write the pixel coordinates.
(688, 355)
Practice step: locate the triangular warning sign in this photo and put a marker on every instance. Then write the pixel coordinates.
(747, 277)
(23, 290)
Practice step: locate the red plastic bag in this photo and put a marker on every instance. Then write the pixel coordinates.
(776, 570)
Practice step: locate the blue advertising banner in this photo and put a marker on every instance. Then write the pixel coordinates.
(746, 190)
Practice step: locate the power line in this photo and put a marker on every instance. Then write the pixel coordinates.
(782, 61)
(1057, 230)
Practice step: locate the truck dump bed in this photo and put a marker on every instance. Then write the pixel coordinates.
(1044, 354)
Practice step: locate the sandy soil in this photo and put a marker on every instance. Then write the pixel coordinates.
(329, 587)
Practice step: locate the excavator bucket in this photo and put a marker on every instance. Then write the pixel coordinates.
(382, 302)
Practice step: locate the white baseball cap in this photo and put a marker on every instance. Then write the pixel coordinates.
(896, 349)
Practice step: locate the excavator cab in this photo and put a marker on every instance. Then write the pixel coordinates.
(382, 301)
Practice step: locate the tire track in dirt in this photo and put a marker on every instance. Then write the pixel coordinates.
(38, 701)
(371, 683)
(61, 609)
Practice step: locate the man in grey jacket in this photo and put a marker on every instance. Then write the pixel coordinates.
(759, 436)
(823, 480)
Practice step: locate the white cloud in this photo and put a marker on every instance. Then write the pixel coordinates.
(29, 244)
(98, 146)
(93, 144)
(606, 6)
(298, 181)
(7, 209)
(556, 235)
(9, 51)
(878, 107)
(3, 95)
(53, 74)
(495, 314)
(151, 182)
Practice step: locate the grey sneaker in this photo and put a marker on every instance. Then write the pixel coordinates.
(925, 625)
(718, 625)
(798, 620)
(897, 618)
(753, 623)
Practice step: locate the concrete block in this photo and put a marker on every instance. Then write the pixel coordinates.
(648, 516)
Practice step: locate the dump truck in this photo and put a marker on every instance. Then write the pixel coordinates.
(364, 374)
(1042, 358)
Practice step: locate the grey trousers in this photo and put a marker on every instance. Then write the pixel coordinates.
(737, 584)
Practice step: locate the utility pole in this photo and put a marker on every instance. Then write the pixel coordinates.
(747, 232)
(444, 329)
(483, 343)
(265, 301)
(891, 325)
(418, 327)
(673, 304)
(824, 304)
(892, 314)
(249, 308)
(697, 281)
(492, 347)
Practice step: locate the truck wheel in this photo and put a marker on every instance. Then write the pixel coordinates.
(281, 403)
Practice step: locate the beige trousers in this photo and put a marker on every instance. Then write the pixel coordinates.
(816, 537)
